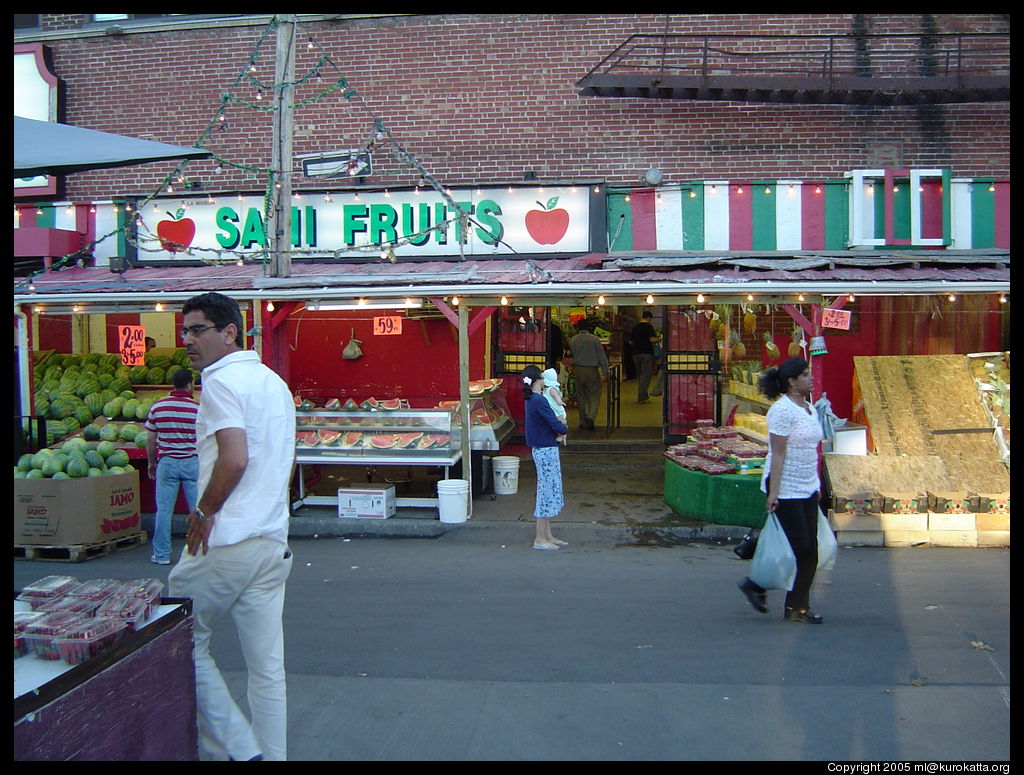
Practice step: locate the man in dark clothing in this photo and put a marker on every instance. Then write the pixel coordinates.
(643, 337)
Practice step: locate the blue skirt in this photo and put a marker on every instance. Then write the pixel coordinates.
(549, 482)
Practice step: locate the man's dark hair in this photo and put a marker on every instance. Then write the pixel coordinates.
(219, 309)
(648, 314)
(181, 379)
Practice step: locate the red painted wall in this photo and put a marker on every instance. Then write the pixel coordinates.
(421, 364)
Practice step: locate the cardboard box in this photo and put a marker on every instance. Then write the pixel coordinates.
(71, 512)
(369, 502)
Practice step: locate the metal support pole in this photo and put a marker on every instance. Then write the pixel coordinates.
(280, 229)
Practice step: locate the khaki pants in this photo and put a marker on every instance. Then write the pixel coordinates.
(588, 392)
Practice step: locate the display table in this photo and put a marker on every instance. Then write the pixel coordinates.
(133, 702)
(724, 499)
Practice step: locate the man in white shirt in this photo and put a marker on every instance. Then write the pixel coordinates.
(236, 559)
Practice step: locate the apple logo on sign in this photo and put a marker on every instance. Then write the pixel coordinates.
(177, 233)
(547, 225)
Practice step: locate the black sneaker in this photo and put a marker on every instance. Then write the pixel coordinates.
(757, 599)
(805, 616)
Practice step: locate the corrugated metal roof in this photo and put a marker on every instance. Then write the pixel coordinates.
(551, 275)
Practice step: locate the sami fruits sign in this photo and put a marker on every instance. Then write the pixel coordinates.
(501, 222)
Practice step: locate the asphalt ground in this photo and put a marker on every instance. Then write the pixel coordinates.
(472, 646)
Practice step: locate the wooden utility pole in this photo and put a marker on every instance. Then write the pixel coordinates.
(467, 454)
(280, 228)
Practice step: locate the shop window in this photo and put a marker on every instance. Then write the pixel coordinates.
(895, 208)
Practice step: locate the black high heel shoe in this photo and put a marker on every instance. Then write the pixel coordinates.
(805, 616)
(755, 598)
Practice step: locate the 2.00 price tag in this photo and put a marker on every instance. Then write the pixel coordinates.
(132, 345)
(387, 325)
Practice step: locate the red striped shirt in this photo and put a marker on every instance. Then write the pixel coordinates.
(172, 420)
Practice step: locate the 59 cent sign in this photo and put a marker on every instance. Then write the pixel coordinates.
(501, 222)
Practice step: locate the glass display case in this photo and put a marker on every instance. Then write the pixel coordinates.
(400, 436)
(490, 421)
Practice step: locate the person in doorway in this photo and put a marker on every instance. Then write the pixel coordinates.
(150, 343)
(590, 364)
(553, 393)
(236, 559)
(542, 432)
(643, 338)
(791, 481)
(624, 327)
(171, 458)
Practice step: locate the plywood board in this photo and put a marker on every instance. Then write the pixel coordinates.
(848, 474)
(928, 405)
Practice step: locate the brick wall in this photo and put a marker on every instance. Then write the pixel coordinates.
(486, 98)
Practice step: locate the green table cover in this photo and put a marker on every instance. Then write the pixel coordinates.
(724, 499)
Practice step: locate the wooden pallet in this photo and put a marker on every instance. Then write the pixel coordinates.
(78, 552)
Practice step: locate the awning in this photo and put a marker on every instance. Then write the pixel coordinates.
(47, 148)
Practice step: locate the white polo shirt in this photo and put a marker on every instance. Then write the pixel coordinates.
(240, 392)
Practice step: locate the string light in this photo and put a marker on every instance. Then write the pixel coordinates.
(1002, 298)
(504, 301)
(270, 306)
(700, 298)
(650, 299)
(600, 299)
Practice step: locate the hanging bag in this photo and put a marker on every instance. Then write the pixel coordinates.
(745, 548)
(352, 350)
(774, 564)
(828, 547)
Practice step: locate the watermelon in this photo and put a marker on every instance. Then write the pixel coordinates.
(384, 441)
(25, 463)
(307, 439)
(94, 403)
(93, 471)
(106, 448)
(141, 438)
(157, 375)
(328, 437)
(350, 406)
(118, 458)
(128, 408)
(137, 374)
(306, 405)
(71, 444)
(333, 405)
(77, 467)
(369, 404)
(351, 439)
(390, 405)
(129, 431)
(109, 432)
(297, 401)
(112, 408)
(95, 459)
(34, 473)
(60, 475)
(142, 412)
(408, 440)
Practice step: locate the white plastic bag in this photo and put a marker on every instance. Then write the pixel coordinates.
(774, 564)
(828, 547)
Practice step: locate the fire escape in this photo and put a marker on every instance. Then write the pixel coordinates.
(884, 70)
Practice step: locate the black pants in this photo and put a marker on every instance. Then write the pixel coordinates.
(799, 520)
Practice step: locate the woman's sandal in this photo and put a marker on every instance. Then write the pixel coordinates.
(545, 547)
(805, 616)
(559, 541)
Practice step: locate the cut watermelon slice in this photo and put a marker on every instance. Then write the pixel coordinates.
(425, 442)
(390, 405)
(383, 441)
(408, 440)
(351, 439)
(307, 439)
(333, 405)
(370, 403)
(350, 406)
(329, 437)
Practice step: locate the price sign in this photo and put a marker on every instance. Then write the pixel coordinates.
(132, 345)
(387, 325)
(836, 318)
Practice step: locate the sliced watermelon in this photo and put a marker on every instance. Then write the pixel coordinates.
(351, 439)
(333, 405)
(407, 440)
(384, 441)
(390, 405)
(370, 403)
(447, 404)
(426, 442)
(350, 406)
(307, 439)
(329, 437)
(440, 439)
(297, 400)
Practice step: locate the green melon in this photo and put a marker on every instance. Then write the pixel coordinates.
(71, 444)
(138, 374)
(95, 472)
(109, 432)
(77, 467)
(60, 475)
(52, 465)
(119, 383)
(115, 470)
(83, 416)
(129, 431)
(106, 448)
(129, 407)
(94, 403)
(25, 462)
(118, 458)
(142, 412)
(95, 459)
(112, 408)
(91, 432)
(141, 438)
(35, 473)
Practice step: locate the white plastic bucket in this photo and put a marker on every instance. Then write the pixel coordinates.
(453, 500)
(506, 474)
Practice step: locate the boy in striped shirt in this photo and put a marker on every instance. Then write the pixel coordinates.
(171, 453)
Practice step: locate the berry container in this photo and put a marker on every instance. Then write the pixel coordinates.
(88, 638)
(133, 611)
(77, 605)
(39, 634)
(47, 588)
(96, 589)
(23, 619)
(147, 589)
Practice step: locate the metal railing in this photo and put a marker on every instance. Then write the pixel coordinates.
(612, 409)
(819, 57)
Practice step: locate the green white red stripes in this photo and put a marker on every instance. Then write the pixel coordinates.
(794, 215)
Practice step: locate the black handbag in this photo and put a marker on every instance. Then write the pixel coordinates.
(745, 548)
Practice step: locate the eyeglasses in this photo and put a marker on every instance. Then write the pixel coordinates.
(196, 330)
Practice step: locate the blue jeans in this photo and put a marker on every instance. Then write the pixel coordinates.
(172, 473)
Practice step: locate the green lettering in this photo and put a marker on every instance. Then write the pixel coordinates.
(310, 226)
(382, 224)
(225, 219)
(493, 229)
(412, 232)
(252, 231)
(353, 220)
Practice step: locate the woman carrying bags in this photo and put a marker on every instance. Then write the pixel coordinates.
(791, 481)
(543, 430)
